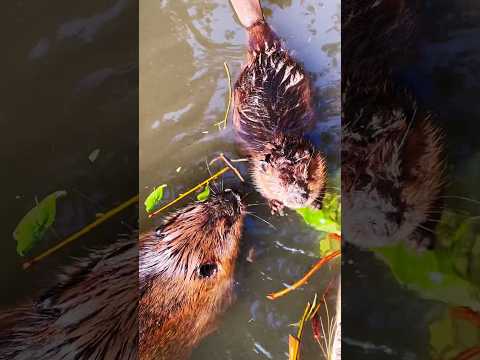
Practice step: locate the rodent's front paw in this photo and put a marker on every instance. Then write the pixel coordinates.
(276, 207)
(422, 241)
(317, 204)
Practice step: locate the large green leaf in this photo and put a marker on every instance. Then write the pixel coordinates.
(36, 222)
(444, 274)
(327, 219)
(152, 200)
(432, 274)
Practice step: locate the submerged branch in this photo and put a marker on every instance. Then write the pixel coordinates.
(306, 277)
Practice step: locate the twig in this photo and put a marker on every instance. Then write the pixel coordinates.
(227, 111)
(216, 175)
(228, 162)
(83, 231)
(306, 277)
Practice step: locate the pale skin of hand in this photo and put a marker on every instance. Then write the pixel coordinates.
(248, 11)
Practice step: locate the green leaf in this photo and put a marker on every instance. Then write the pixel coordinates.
(203, 196)
(431, 273)
(152, 200)
(450, 335)
(36, 222)
(328, 245)
(442, 335)
(327, 219)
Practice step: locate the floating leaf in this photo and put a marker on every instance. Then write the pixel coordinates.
(319, 220)
(431, 273)
(152, 200)
(327, 219)
(329, 244)
(203, 196)
(451, 335)
(36, 222)
(94, 155)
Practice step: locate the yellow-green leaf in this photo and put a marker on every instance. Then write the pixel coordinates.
(152, 200)
(36, 222)
(203, 196)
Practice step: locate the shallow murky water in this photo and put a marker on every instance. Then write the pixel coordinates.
(183, 88)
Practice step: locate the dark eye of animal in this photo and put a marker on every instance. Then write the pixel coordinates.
(207, 270)
(364, 180)
(268, 157)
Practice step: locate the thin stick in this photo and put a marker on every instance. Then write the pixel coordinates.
(229, 164)
(83, 231)
(306, 277)
(225, 118)
(216, 175)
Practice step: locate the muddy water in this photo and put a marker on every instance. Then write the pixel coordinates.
(183, 45)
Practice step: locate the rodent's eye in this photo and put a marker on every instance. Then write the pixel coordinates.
(364, 179)
(207, 270)
(268, 157)
(263, 165)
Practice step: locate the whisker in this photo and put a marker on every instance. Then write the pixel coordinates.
(461, 198)
(426, 229)
(262, 219)
(257, 204)
(210, 173)
(408, 128)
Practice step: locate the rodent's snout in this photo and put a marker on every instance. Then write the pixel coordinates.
(234, 199)
(296, 196)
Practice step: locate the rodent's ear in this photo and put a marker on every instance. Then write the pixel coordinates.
(207, 270)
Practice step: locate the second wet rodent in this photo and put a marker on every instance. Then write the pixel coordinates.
(272, 112)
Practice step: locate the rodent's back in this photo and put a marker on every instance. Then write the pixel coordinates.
(91, 313)
(273, 92)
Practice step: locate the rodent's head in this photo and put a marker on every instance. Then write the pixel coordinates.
(391, 181)
(196, 244)
(289, 170)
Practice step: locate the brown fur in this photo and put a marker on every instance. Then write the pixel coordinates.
(272, 111)
(178, 307)
(90, 314)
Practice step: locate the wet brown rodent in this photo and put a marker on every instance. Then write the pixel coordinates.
(186, 275)
(272, 111)
(392, 150)
(90, 314)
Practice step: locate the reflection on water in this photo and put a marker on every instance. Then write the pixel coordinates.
(183, 87)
